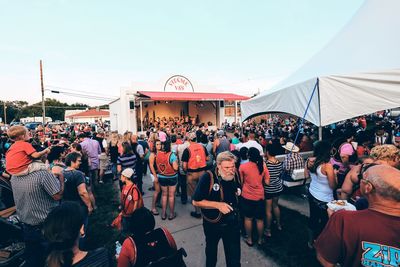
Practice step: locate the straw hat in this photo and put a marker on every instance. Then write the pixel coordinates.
(291, 147)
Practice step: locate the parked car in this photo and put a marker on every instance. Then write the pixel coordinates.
(32, 125)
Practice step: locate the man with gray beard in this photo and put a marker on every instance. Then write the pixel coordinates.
(217, 196)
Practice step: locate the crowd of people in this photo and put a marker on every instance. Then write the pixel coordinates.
(231, 176)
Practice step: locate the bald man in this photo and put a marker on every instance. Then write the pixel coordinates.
(368, 237)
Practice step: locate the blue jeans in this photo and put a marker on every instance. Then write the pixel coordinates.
(114, 169)
(82, 239)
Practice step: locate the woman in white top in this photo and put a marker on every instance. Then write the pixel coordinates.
(323, 183)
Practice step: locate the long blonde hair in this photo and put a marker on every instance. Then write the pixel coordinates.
(127, 136)
(114, 138)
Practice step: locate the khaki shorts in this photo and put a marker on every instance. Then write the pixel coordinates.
(192, 180)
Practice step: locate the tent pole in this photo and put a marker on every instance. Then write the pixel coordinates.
(305, 113)
(320, 133)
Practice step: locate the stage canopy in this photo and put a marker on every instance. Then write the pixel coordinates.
(357, 73)
(189, 96)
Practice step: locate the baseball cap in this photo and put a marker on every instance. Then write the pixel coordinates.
(128, 172)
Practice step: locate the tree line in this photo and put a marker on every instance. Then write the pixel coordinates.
(54, 109)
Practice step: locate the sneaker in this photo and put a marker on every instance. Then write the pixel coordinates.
(151, 188)
(195, 215)
(101, 182)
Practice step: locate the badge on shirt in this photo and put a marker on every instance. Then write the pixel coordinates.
(129, 197)
(216, 187)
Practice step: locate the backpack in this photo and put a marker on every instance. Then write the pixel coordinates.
(154, 250)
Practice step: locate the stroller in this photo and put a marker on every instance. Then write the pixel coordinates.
(12, 246)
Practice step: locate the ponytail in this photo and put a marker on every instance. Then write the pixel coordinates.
(60, 257)
(254, 156)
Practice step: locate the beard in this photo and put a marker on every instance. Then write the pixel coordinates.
(227, 176)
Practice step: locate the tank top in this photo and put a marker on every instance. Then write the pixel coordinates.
(319, 186)
(224, 145)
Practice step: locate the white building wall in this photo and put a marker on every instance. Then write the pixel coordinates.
(115, 115)
(127, 121)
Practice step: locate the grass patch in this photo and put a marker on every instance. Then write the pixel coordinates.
(289, 246)
(100, 234)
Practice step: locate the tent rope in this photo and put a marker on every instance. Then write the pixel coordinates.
(305, 113)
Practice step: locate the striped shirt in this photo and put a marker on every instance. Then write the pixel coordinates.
(275, 181)
(127, 161)
(95, 258)
(33, 195)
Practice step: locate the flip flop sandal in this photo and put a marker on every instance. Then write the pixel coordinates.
(155, 212)
(172, 217)
(248, 243)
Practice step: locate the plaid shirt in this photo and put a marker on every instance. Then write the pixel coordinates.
(292, 162)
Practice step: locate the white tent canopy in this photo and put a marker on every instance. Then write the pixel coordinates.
(358, 72)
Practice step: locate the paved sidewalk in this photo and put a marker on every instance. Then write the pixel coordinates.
(188, 233)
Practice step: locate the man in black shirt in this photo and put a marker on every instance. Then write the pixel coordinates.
(75, 186)
(217, 196)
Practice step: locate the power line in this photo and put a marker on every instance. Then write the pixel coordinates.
(93, 97)
(81, 91)
(61, 107)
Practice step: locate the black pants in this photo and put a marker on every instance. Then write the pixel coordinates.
(183, 187)
(139, 175)
(230, 235)
(35, 246)
(318, 215)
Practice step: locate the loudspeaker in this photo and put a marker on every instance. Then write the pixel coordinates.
(131, 104)
(221, 104)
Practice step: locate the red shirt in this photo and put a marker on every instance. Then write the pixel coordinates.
(253, 188)
(129, 196)
(18, 157)
(361, 238)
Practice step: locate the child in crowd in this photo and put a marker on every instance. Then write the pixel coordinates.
(20, 157)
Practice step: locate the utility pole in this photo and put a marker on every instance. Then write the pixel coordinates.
(42, 87)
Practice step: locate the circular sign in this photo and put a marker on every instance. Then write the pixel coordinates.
(216, 187)
(178, 83)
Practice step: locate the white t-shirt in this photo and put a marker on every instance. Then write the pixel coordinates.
(251, 143)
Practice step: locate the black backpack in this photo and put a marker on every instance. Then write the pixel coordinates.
(154, 250)
(174, 260)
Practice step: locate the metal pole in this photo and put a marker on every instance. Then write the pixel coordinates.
(236, 109)
(42, 87)
(141, 116)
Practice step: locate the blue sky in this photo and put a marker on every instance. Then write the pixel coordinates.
(100, 46)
